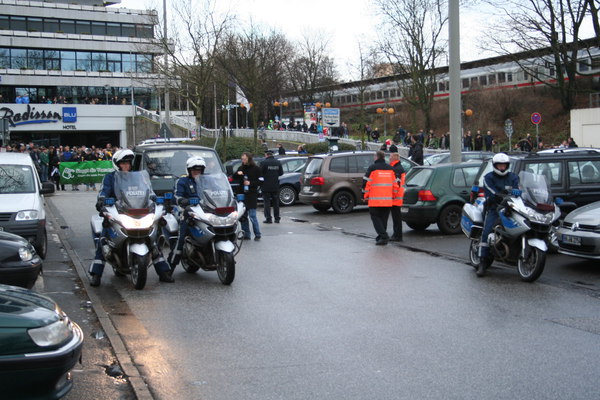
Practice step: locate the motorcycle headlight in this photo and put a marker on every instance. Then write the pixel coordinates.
(26, 254)
(137, 223)
(27, 215)
(539, 217)
(51, 335)
(217, 221)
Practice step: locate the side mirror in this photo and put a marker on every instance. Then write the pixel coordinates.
(194, 201)
(47, 188)
(109, 201)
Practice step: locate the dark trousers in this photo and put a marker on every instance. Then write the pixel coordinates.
(397, 221)
(379, 216)
(271, 198)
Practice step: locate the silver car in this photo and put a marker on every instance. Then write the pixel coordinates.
(579, 235)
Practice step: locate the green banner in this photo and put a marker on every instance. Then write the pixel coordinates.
(84, 172)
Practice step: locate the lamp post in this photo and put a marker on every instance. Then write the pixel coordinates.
(106, 91)
(280, 104)
(385, 111)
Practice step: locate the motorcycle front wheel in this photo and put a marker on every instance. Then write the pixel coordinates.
(474, 253)
(225, 267)
(531, 268)
(139, 272)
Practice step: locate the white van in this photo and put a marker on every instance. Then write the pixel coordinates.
(22, 201)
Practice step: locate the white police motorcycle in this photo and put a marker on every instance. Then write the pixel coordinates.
(214, 235)
(521, 233)
(132, 221)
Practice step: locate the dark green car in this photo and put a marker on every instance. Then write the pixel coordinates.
(39, 346)
(436, 194)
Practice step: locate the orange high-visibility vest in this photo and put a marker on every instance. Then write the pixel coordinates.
(398, 201)
(382, 187)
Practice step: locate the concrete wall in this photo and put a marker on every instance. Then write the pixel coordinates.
(585, 127)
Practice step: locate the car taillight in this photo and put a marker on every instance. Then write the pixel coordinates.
(230, 178)
(319, 180)
(426, 195)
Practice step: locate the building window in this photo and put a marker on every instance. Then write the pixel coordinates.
(51, 25)
(128, 63)
(83, 27)
(68, 61)
(99, 28)
(84, 61)
(99, 62)
(67, 26)
(18, 23)
(113, 61)
(4, 22)
(35, 59)
(113, 29)
(4, 58)
(51, 59)
(18, 58)
(35, 24)
(128, 30)
(145, 31)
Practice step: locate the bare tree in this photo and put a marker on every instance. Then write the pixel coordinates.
(195, 35)
(533, 25)
(411, 40)
(309, 67)
(251, 61)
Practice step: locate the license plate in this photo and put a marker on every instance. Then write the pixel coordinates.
(403, 209)
(306, 189)
(574, 240)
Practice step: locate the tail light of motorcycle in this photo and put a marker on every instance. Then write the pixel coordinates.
(317, 181)
(426, 195)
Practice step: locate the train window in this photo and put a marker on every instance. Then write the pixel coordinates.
(441, 87)
(379, 95)
(386, 94)
(501, 77)
(483, 80)
(595, 62)
(474, 81)
(355, 98)
(584, 65)
(551, 71)
(393, 93)
(509, 77)
(492, 79)
(465, 83)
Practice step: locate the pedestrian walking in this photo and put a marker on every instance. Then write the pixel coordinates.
(399, 200)
(249, 178)
(271, 170)
(415, 152)
(380, 189)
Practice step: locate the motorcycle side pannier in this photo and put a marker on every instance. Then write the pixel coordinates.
(472, 220)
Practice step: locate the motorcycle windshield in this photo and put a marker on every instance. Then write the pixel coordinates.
(214, 190)
(133, 189)
(535, 189)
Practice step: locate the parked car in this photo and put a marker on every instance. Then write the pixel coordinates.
(579, 234)
(39, 346)
(20, 265)
(574, 176)
(335, 179)
(22, 200)
(436, 194)
(439, 158)
(166, 162)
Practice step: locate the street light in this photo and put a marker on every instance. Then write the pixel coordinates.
(385, 112)
(280, 104)
(106, 91)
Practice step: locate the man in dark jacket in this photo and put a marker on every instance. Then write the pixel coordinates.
(249, 177)
(271, 171)
(489, 141)
(416, 150)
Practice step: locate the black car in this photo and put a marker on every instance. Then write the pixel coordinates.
(574, 176)
(20, 265)
(39, 346)
(166, 162)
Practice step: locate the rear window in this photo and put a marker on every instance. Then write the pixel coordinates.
(16, 179)
(314, 166)
(418, 177)
(582, 172)
(339, 165)
(551, 170)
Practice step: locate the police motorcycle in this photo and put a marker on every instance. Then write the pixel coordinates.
(214, 234)
(521, 233)
(132, 220)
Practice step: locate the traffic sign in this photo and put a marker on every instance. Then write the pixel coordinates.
(536, 118)
(508, 127)
(331, 117)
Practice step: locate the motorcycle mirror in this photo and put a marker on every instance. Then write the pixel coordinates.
(109, 201)
(160, 200)
(194, 201)
(169, 195)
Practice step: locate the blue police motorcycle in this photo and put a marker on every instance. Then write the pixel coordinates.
(521, 233)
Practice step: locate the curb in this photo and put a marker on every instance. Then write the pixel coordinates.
(136, 380)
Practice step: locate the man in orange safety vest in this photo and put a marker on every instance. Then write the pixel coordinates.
(380, 189)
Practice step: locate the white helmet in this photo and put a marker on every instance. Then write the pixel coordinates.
(125, 155)
(195, 162)
(501, 158)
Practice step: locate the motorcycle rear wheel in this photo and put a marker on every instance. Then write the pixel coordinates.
(225, 267)
(474, 253)
(139, 272)
(531, 268)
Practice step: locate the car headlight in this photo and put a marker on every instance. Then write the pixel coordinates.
(51, 335)
(27, 215)
(26, 253)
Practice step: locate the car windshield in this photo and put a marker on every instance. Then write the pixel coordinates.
(133, 189)
(214, 190)
(535, 189)
(16, 179)
(172, 162)
(418, 177)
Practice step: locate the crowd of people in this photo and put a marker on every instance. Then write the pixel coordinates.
(48, 159)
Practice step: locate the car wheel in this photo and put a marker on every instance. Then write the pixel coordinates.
(449, 219)
(321, 207)
(342, 202)
(417, 226)
(41, 245)
(287, 196)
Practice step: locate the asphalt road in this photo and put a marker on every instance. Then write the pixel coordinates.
(318, 311)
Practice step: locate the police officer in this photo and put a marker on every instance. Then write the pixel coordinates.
(381, 188)
(496, 184)
(122, 160)
(271, 171)
(185, 188)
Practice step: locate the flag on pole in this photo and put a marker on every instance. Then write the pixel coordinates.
(240, 98)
